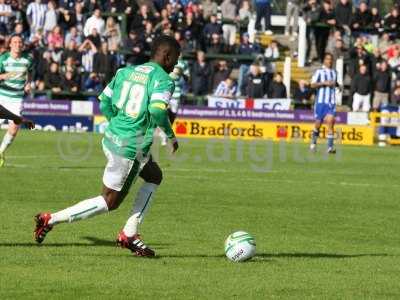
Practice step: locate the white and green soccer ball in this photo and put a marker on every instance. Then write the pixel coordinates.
(240, 246)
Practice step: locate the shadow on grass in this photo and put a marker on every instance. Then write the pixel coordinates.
(93, 242)
(268, 256)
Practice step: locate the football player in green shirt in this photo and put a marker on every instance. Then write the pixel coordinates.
(15, 77)
(135, 103)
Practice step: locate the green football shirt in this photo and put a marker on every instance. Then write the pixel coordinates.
(12, 89)
(127, 99)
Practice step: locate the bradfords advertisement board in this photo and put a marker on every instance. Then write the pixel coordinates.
(207, 128)
(192, 112)
(241, 103)
(62, 123)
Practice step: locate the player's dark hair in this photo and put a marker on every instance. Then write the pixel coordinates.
(328, 54)
(164, 41)
(16, 35)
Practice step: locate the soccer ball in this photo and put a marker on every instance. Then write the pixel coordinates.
(240, 246)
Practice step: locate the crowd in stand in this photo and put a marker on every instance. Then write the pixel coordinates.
(364, 38)
(77, 46)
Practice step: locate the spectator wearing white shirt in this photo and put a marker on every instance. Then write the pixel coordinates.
(245, 11)
(5, 13)
(95, 21)
(51, 17)
(271, 54)
(36, 13)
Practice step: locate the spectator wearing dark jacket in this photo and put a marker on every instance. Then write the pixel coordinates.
(137, 46)
(245, 48)
(216, 44)
(70, 83)
(95, 38)
(343, 13)
(302, 95)
(190, 26)
(201, 72)
(311, 12)
(377, 22)
(276, 89)
(393, 20)
(53, 79)
(104, 63)
(361, 88)
(382, 86)
(362, 19)
(139, 20)
(211, 28)
(221, 72)
(256, 85)
(358, 57)
(327, 18)
(72, 51)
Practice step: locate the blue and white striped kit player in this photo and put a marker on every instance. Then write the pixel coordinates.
(325, 97)
(324, 81)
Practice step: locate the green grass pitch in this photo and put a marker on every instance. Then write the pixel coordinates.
(325, 227)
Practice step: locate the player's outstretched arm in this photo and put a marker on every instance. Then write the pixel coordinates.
(159, 113)
(6, 114)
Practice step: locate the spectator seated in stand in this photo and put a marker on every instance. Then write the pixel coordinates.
(221, 72)
(69, 82)
(302, 95)
(82, 39)
(53, 79)
(226, 88)
(277, 89)
(201, 71)
(256, 84)
(93, 84)
(215, 45)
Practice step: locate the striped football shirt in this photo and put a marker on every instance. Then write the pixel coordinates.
(325, 94)
(13, 88)
(36, 12)
(5, 8)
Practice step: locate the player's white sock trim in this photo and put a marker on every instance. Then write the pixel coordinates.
(7, 141)
(141, 205)
(82, 210)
